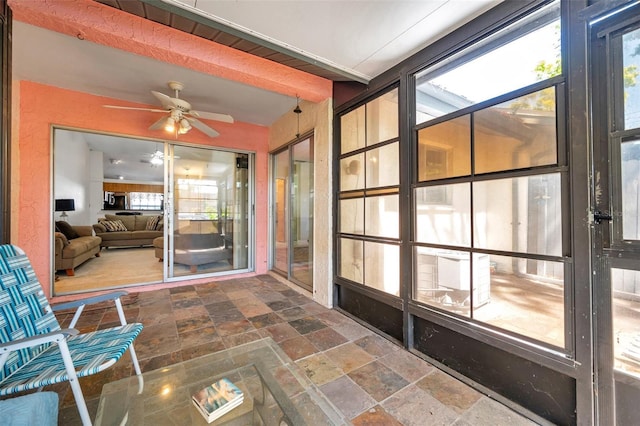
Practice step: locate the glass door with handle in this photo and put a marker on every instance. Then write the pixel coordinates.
(615, 48)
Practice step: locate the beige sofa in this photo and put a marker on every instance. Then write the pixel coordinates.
(136, 234)
(71, 253)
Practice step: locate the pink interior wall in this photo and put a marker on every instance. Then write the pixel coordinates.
(42, 107)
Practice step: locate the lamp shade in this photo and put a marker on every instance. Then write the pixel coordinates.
(65, 205)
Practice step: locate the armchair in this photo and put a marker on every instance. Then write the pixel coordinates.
(35, 351)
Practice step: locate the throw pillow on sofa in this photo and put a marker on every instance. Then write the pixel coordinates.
(67, 230)
(152, 223)
(113, 225)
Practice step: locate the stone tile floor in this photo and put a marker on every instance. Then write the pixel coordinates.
(371, 380)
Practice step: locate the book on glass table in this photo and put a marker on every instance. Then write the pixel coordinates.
(217, 399)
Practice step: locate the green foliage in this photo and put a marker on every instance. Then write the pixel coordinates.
(212, 213)
(630, 75)
(546, 70)
(544, 100)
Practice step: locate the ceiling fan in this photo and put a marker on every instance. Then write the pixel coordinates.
(156, 158)
(181, 117)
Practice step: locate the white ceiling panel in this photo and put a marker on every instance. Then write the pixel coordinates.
(362, 37)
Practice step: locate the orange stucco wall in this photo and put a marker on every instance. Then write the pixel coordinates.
(41, 107)
(98, 23)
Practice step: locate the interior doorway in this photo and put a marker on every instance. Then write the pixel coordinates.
(186, 210)
(292, 212)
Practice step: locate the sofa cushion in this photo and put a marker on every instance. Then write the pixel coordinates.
(81, 245)
(129, 221)
(146, 235)
(152, 223)
(117, 236)
(113, 225)
(140, 223)
(66, 229)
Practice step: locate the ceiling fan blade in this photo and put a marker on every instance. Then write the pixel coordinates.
(203, 128)
(158, 125)
(166, 101)
(134, 108)
(226, 118)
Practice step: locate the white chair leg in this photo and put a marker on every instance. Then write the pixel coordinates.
(75, 384)
(118, 303)
(136, 367)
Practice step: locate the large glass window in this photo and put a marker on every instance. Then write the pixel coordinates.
(488, 196)
(369, 205)
(525, 218)
(626, 320)
(630, 188)
(631, 78)
(517, 56)
(443, 214)
(444, 150)
(516, 134)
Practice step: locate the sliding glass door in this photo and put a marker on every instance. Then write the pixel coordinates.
(209, 193)
(292, 212)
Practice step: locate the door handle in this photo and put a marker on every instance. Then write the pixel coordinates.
(599, 216)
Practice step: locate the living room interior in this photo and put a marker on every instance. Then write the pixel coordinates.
(526, 253)
(109, 176)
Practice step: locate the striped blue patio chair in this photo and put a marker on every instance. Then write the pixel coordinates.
(35, 351)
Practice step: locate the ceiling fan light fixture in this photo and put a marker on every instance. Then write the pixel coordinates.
(170, 125)
(184, 126)
(156, 161)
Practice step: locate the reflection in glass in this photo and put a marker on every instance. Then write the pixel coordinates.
(519, 214)
(439, 93)
(626, 320)
(382, 267)
(352, 173)
(382, 118)
(210, 228)
(351, 261)
(382, 166)
(443, 214)
(525, 297)
(383, 219)
(444, 150)
(631, 78)
(146, 200)
(516, 134)
(352, 216)
(352, 130)
(443, 279)
(630, 188)
(302, 212)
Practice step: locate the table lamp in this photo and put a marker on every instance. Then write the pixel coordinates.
(65, 205)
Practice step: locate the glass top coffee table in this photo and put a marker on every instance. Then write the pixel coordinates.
(276, 392)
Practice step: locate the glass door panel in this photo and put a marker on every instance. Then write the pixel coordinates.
(210, 227)
(292, 213)
(302, 213)
(616, 248)
(281, 186)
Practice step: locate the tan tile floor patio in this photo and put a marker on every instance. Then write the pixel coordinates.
(371, 380)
